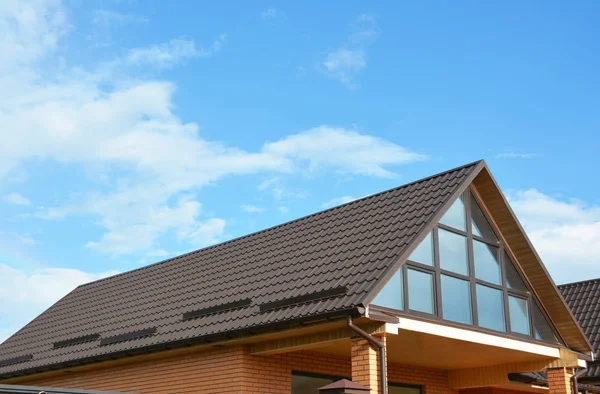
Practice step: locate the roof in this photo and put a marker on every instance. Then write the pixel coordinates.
(584, 300)
(324, 264)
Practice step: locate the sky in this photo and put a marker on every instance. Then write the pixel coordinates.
(134, 131)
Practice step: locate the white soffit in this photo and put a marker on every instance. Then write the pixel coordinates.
(471, 336)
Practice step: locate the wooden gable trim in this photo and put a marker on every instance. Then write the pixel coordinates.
(529, 261)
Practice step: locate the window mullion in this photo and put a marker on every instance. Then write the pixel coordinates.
(504, 288)
(437, 277)
(471, 260)
(403, 267)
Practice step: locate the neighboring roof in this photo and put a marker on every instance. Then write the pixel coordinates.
(324, 264)
(584, 300)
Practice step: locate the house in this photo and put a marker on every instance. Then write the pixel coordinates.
(584, 300)
(432, 287)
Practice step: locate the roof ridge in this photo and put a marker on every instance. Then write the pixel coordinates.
(578, 282)
(288, 222)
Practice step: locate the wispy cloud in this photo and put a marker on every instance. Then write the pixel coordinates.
(283, 209)
(514, 155)
(344, 150)
(338, 201)
(16, 199)
(170, 53)
(347, 61)
(252, 208)
(271, 13)
(107, 18)
(344, 64)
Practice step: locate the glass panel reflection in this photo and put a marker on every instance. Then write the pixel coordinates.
(455, 217)
(490, 308)
(513, 279)
(391, 296)
(487, 264)
(519, 315)
(542, 328)
(420, 291)
(453, 252)
(424, 252)
(479, 223)
(456, 300)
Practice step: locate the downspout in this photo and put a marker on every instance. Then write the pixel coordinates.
(376, 343)
(574, 379)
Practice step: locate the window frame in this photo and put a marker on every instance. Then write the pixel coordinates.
(503, 253)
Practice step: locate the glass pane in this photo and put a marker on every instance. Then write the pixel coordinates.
(424, 252)
(308, 384)
(490, 308)
(420, 291)
(455, 217)
(519, 315)
(479, 223)
(399, 389)
(456, 300)
(391, 296)
(513, 279)
(543, 330)
(487, 263)
(453, 252)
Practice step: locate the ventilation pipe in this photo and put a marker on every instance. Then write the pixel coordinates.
(379, 345)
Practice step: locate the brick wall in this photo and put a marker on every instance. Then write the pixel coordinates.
(489, 390)
(231, 370)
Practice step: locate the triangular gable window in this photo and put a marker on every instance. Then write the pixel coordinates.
(391, 296)
(479, 223)
(513, 278)
(542, 329)
(455, 217)
(462, 273)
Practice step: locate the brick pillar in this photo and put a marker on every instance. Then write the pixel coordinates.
(365, 363)
(559, 380)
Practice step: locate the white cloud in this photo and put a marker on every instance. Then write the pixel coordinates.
(271, 13)
(168, 54)
(16, 199)
(347, 61)
(29, 31)
(283, 209)
(565, 232)
(25, 295)
(344, 150)
(152, 162)
(252, 208)
(513, 155)
(108, 18)
(338, 201)
(344, 64)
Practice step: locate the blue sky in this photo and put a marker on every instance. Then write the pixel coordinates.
(133, 131)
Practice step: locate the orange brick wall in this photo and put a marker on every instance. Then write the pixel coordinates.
(559, 380)
(230, 370)
(489, 390)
